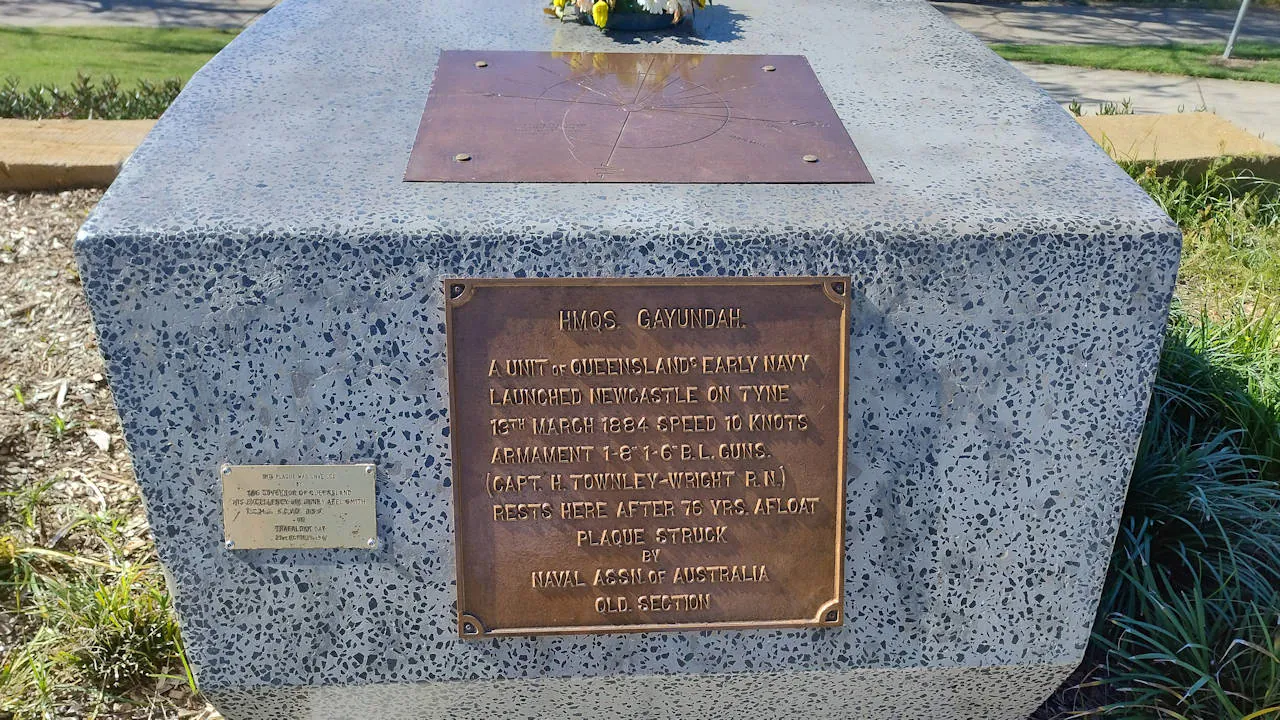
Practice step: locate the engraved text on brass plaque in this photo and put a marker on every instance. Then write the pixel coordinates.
(647, 454)
(298, 506)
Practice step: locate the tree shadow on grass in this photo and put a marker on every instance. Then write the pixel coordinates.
(184, 42)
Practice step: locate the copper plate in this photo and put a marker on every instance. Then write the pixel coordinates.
(495, 116)
(647, 454)
(298, 506)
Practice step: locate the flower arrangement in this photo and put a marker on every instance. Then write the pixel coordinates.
(626, 14)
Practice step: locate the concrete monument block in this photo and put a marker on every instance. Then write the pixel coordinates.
(268, 291)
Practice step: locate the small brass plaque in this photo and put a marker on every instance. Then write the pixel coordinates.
(298, 506)
(647, 454)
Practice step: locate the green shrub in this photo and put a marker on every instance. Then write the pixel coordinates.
(85, 99)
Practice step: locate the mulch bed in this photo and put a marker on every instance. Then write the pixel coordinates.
(58, 426)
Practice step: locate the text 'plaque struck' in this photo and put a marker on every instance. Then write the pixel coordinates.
(298, 506)
(647, 454)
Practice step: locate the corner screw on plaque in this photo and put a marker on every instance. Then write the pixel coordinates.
(831, 616)
(456, 290)
(810, 158)
(371, 542)
(368, 469)
(226, 470)
(838, 288)
(230, 545)
(468, 628)
(462, 157)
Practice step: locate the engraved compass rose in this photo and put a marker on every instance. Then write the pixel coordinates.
(642, 109)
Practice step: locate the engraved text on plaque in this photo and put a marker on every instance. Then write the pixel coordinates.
(647, 454)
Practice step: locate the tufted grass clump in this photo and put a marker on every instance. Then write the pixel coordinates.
(98, 639)
(85, 619)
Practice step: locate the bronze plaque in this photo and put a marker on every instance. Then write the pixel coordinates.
(298, 506)
(495, 116)
(647, 454)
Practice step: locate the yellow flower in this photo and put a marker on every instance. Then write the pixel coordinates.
(558, 3)
(701, 3)
(600, 13)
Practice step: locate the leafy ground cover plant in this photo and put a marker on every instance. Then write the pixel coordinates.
(86, 98)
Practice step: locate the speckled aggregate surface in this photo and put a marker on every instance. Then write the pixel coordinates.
(266, 290)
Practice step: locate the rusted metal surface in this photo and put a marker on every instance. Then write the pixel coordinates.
(630, 117)
(647, 454)
(298, 506)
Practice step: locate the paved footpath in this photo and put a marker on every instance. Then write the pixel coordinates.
(1254, 106)
(140, 13)
(1047, 23)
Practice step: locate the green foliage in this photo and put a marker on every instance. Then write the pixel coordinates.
(121, 630)
(85, 99)
(92, 627)
(1214, 196)
(59, 425)
(106, 634)
(1189, 624)
(1231, 228)
(53, 56)
(1186, 655)
(1250, 60)
(23, 504)
(1125, 107)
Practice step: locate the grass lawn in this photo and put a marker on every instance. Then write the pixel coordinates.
(53, 55)
(1250, 61)
(1211, 4)
(1231, 239)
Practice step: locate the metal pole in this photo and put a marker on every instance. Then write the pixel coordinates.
(1235, 30)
